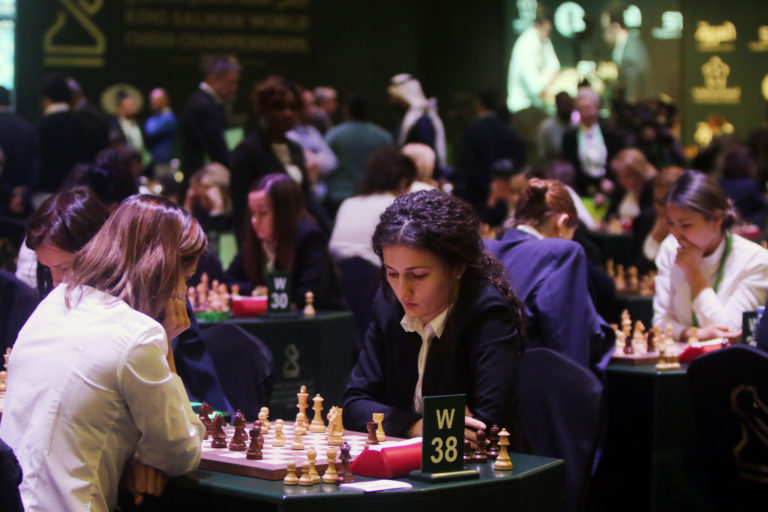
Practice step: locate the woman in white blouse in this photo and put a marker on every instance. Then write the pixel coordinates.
(91, 379)
(707, 276)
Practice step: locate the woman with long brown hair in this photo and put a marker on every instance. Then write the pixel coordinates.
(282, 236)
(92, 378)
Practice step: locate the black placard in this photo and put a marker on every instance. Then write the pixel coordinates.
(443, 434)
(278, 292)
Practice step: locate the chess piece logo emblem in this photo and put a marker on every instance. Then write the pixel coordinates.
(752, 449)
(291, 368)
(715, 72)
(74, 39)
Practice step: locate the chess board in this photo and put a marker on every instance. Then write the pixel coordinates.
(274, 464)
(635, 359)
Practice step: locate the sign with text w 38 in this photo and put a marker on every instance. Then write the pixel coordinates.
(443, 434)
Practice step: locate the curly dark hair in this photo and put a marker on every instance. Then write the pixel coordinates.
(447, 227)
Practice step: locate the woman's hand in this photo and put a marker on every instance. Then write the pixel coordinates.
(471, 426)
(416, 429)
(691, 260)
(710, 332)
(142, 479)
(176, 319)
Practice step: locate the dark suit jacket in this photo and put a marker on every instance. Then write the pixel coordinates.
(479, 359)
(203, 124)
(313, 270)
(254, 158)
(747, 197)
(645, 199)
(550, 276)
(613, 144)
(65, 140)
(485, 141)
(21, 147)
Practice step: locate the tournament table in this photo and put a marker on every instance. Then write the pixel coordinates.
(535, 484)
(314, 351)
(649, 439)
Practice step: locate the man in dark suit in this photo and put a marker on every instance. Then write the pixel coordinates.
(203, 122)
(590, 146)
(20, 147)
(486, 141)
(66, 138)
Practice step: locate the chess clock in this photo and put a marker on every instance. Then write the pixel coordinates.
(442, 446)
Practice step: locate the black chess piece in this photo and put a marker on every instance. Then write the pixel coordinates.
(219, 437)
(493, 442)
(372, 438)
(480, 454)
(467, 452)
(254, 450)
(345, 473)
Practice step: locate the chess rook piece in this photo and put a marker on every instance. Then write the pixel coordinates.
(346, 458)
(372, 437)
(503, 462)
(306, 475)
(331, 476)
(317, 425)
(290, 477)
(309, 304)
(378, 417)
(480, 454)
(693, 337)
(218, 437)
(279, 439)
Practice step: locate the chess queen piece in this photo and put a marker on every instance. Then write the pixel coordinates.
(309, 301)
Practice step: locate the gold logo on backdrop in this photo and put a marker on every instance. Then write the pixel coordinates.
(59, 49)
(711, 38)
(715, 89)
(761, 45)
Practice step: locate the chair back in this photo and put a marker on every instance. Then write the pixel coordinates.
(10, 479)
(244, 365)
(729, 397)
(561, 405)
(359, 283)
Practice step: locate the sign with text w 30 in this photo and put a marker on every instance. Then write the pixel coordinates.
(443, 433)
(278, 292)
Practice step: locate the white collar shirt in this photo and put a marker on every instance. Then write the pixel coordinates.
(434, 329)
(87, 386)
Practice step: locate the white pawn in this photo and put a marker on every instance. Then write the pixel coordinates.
(298, 443)
(312, 459)
(331, 476)
(279, 439)
(290, 477)
(306, 475)
(309, 301)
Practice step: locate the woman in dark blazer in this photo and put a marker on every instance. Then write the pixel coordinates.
(445, 322)
(282, 236)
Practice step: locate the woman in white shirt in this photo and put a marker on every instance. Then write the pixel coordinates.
(707, 276)
(91, 380)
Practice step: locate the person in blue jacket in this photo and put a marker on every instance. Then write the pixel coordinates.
(549, 272)
(445, 322)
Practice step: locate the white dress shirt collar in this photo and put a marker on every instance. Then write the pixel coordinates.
(433, 329)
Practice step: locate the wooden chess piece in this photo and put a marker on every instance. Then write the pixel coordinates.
(306, 475)
(290, 477)
(264, 419)
(335, 426)
(345, 473)
(331, 476)
(372, 437)
(480, 454)
(257, 426)
(303, 402)
(503, 462)
(378, 417)
(639, 343)
(205, 411)
(236, 444)
(467, 451)
(317, 425)
(218, 437)
(254, 449)
(301, 421)
(309, 307)
(493, 442)
(298, 443)
(243, 434)
(279, 439)
(312, 459)
(693, 336)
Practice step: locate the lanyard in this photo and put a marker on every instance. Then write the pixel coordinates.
(718, 276)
